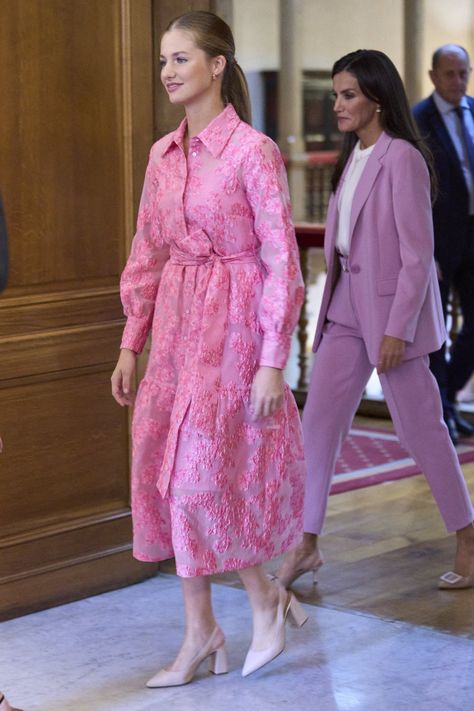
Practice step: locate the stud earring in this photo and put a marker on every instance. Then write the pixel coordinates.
(378, 110)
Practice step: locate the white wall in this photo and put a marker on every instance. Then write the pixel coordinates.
(256, 33)
(335, 27)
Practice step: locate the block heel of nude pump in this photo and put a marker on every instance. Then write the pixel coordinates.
(296, 614)
(218, 662)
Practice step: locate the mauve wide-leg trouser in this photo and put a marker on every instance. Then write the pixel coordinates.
(340, 373)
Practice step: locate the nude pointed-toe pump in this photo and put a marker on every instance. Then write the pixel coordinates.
(288, 607)
(218, 664)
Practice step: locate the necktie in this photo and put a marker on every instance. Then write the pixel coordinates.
(467, 139)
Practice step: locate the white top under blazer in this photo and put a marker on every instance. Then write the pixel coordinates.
(356, 168)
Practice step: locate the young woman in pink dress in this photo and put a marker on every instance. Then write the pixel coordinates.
(213, 275)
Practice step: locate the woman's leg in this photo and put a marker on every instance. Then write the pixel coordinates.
(264, 598)
(271, 604)
(340, 373)
(203, 639)
(200, 621)
(414, 402)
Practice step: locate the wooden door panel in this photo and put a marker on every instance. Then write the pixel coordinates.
(75, 464)
(61, 349)
(79, 115)
(62, 149)
(58, 310)
(74, 139)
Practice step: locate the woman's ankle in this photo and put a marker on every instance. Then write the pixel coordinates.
(310, 542)
(466, 534)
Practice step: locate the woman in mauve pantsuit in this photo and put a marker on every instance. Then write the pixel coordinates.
(381, 306)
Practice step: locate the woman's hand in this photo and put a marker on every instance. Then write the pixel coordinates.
(266, 395)
(122, 377)
(391, 353)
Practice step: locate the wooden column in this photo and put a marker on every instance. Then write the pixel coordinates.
(290, 100)
(413, 49)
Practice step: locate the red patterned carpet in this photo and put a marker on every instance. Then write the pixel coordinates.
(373, 456)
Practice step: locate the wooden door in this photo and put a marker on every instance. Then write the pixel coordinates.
(77, 123)
(81, 106)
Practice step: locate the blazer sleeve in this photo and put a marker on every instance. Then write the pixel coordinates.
(141, 276)
(267, 191)
(414, 224)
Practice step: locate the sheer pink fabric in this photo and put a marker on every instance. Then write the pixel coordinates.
(214, 273)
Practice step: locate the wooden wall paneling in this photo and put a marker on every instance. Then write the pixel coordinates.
(77, 125)
(69, 580)
(75, 464)
(57, 310)
(61, 171)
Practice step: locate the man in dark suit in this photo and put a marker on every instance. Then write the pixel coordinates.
(446, 121)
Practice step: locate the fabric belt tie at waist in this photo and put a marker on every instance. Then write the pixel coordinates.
(191, 260)
(213, 289)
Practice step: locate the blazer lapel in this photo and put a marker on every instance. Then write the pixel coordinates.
(368, 177)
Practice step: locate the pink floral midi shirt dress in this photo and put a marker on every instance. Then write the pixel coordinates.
(214, 275)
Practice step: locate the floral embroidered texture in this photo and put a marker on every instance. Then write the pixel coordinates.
(214, 276)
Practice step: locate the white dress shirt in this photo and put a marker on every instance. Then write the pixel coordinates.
(346, 196)
(453, 126)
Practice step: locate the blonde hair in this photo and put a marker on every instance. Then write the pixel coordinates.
(214, 37)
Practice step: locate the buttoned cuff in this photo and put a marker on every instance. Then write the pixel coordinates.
(275, 349)
(135, 334)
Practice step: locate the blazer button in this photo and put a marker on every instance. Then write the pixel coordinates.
(355, 269)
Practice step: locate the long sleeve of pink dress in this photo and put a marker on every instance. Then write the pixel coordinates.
(214, 276)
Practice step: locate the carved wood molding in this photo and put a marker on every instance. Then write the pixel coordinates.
(31, 315)
(61, 349)
(59, 528)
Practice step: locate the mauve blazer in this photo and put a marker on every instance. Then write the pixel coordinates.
(393, 276)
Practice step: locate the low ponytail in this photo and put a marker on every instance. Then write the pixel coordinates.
(235, 90)
(214, 37)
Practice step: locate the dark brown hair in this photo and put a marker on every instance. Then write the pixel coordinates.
(215, 38)
(380, 81)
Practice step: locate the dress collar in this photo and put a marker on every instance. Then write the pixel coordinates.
(215, 136)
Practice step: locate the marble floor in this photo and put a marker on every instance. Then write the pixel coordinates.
(96, 654)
